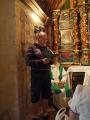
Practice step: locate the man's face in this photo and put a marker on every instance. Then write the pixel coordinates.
(42, 40)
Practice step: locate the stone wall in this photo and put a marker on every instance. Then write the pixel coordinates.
(16, 34)
(25, 37)
(9, 109)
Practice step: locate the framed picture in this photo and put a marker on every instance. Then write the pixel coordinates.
(66, 41)
(66, 46)
(66, 37)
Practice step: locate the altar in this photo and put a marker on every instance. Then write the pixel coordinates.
(79, 69)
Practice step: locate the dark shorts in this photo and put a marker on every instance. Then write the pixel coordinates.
(40, 85)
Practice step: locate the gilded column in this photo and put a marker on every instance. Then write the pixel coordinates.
(76, 34)
(55, 16)
(84, 27)
(76, 30)
(83, 8)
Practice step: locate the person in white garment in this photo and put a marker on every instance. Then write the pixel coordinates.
(80, 103)
(58, 74)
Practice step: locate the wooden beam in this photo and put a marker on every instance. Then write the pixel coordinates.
(45, 7)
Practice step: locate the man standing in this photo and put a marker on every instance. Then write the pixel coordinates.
(40, 79)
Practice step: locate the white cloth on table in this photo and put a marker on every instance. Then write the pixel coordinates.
(85, 69)
(78, 68)
(80, 103)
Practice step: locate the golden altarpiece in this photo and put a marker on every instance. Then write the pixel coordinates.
(71, 39)
(71, 33)
(71, 36)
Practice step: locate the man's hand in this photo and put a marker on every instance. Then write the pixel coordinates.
(45, 60)
(61, 85)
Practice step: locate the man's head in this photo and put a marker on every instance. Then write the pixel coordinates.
(42, 38)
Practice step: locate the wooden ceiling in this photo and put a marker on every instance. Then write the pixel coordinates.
(46, 5)
(31, 4)
(49, 5)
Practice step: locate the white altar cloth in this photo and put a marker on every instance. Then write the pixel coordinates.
(85, 69)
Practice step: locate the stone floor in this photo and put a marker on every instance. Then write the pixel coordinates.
(52, 112)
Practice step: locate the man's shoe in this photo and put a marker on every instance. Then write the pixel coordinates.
(45, 116)
(35, 118)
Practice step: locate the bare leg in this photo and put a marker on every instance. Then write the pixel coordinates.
(45, 105)
(35, 109)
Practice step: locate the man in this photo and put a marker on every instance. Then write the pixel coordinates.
(58, 76)
(40, 79)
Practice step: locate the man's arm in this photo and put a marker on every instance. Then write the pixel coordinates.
(31, 60)
(30, 57)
